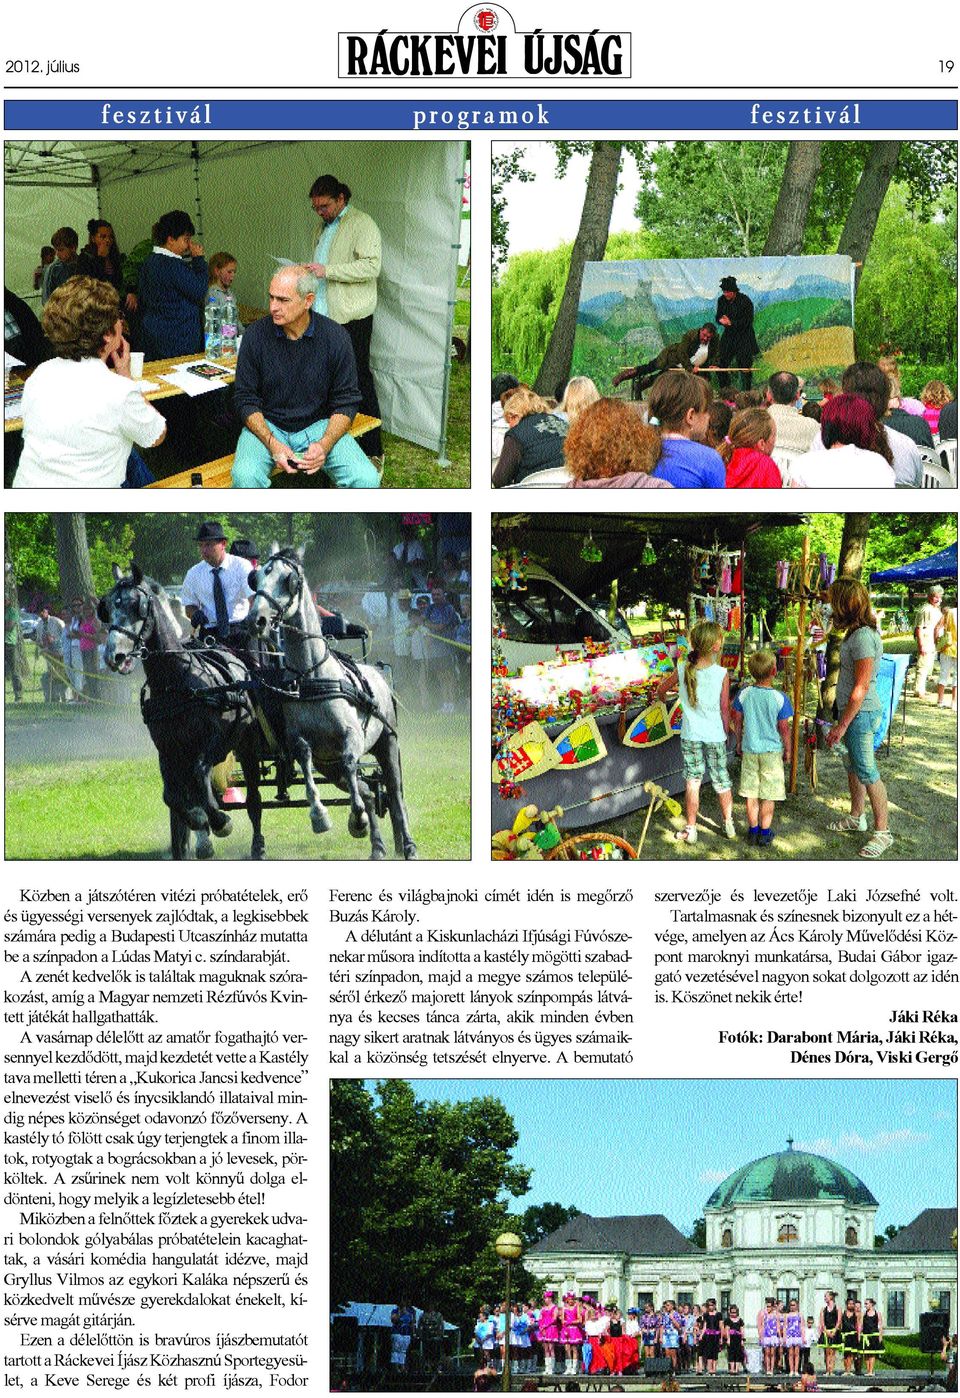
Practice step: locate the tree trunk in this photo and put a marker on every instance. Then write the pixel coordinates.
(867, 199)
(589, 246)
(789, 222)
(11, 598)
(853, 544)
(73, 557)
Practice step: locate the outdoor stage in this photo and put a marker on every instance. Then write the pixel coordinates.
(890, 1380)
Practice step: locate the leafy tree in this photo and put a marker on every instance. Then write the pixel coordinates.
(526, 299)
(541, 1219)
(698, 1233)
(442, 1172)
(504, 167)
(889, 1233)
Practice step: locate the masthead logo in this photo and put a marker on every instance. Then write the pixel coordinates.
(486, 20)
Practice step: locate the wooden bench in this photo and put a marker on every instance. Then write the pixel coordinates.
(216, 475)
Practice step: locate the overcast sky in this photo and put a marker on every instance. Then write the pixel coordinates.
(547, 211)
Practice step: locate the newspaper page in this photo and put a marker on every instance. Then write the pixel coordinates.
(285, 1121)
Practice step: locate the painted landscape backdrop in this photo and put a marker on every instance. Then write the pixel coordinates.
(803, 311)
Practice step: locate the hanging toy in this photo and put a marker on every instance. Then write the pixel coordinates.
(783, 574)
(726, 577)
(828, 571)
(649, 556)
(590, 551)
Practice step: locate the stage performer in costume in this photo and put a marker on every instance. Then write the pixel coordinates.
(596, 1327)
(871, 1334)
(793, 1336)
(548, 1329)
(738, 343)
(830, 1330)
(571, 1332)
(694, 350)
(631, 1341)
(768, 1331)
(711, 1333)
(669, 1334)
(850, 1335)
(733, 1336)
(649, 1329)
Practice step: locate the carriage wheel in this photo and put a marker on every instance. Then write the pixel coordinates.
(593, 845)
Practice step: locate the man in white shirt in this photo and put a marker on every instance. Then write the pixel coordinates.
(925, 623)
(795, 433)
(216, 592)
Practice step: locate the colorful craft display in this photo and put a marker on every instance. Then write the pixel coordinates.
(526, 755)
(581, 744)
(509, 570)
(651, 727)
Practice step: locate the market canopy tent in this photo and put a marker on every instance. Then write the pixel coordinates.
(939, 567)
(251, 198)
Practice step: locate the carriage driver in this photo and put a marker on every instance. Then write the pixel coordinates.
(216, 592)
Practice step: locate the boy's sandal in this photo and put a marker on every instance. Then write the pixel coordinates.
(849, 822)
(878, 844)
(688, 834)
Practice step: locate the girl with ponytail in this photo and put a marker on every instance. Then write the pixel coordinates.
(704, 689)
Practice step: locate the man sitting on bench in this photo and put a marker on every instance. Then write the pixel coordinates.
(296, 392)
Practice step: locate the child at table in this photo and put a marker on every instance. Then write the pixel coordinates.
(761, 720)
(704, 689)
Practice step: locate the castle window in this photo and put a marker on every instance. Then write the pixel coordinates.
(896, 1309)
(726, 1238)
(852, 1237)
(788, 1233)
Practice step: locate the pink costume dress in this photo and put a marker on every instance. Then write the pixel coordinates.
(571, 1332)
(548, 1327)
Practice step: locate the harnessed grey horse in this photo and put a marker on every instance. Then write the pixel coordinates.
(338, 714)
(196, 705)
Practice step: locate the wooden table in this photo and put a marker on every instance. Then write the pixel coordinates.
(152, 369)
(216, 475)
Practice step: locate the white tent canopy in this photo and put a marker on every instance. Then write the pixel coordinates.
(251, 198)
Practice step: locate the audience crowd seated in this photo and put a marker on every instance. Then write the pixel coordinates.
(764, 438)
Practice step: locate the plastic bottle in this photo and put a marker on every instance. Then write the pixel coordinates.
(212, 332)
(229, 321)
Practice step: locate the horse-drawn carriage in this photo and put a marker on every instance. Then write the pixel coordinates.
(209, 709)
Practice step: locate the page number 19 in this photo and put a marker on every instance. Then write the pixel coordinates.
(946, 65)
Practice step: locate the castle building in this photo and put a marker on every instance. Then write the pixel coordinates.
(791, 1225)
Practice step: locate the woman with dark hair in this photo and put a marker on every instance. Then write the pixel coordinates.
(609, 447)
(172, 290)
(680, 404)
(82, 413)
(101, 257)
(857, 454)
(861, 713)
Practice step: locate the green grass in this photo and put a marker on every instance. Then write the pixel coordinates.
(408, 465)
(111, 808)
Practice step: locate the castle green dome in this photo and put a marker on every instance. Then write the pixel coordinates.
(790, 1176)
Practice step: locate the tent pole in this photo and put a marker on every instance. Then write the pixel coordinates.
(195, 159)
(442, 457)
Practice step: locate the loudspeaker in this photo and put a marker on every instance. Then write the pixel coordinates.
(652, 1367)
(933, 1326)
